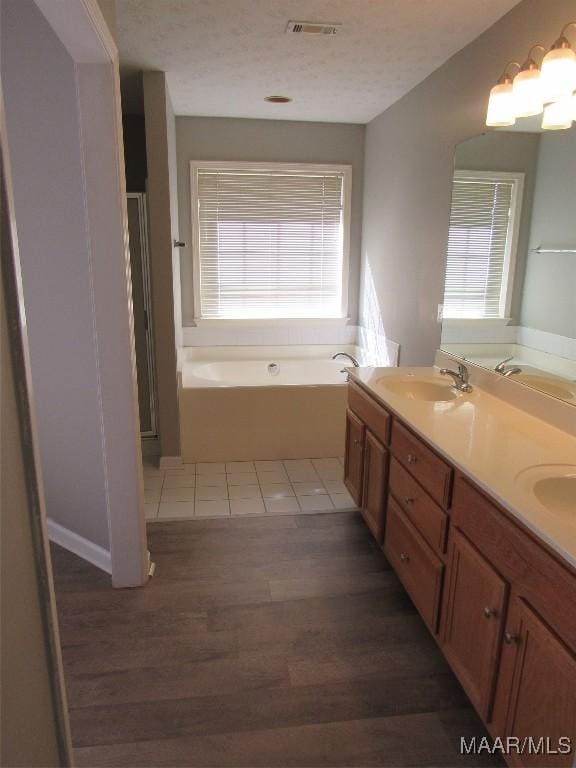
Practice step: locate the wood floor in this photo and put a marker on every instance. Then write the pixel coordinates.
(279, 641)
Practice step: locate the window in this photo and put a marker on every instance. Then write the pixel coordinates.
(271, 240)
(484, 221)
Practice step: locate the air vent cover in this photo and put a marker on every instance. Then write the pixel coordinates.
(311, 28)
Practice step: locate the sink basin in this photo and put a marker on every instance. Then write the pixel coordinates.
(420, 389)
(554, 487)
(548, 385)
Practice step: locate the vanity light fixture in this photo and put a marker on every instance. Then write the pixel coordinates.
(558, 115)
(527, 87)
(501, 106)
(559, 69)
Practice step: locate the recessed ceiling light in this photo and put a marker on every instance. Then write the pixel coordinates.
(277, 99)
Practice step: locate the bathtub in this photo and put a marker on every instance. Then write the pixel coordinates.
(240, 404)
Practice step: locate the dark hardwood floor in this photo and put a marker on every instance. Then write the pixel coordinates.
(278, 641)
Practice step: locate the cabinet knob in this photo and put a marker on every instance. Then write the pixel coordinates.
(489, 612)
(409, 500)
(411, 459)
(510, 638)
(404, 557)
(356, 442)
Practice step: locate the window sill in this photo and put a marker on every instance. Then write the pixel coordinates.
(467, 322)
(270, 322)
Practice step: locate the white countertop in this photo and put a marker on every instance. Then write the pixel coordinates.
(492, 442)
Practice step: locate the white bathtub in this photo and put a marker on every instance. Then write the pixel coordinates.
(235, 407)
(273, 372)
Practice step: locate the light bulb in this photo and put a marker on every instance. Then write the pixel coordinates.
(558, 115)
(501, 108)
(559, 72)
(527, 91)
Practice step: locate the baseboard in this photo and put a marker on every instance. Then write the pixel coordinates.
(80, 546)
(170, 462)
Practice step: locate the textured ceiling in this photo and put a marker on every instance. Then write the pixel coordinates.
(223, 56)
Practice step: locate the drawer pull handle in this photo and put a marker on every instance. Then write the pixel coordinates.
(411, 458)
(404, 557)
(510, 638)
(357, 442)
(409, 500)
(489, 612)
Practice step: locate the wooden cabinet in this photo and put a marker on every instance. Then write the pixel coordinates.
(503, 604)
(375, 485)
(474, 614)
(416, 565)
(354, 456)
(536, 694)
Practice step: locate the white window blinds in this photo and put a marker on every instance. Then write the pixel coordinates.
(479, 246)
(270, 242)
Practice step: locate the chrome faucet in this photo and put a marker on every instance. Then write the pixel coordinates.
(461, 378)
(507, 370)
(353, 360)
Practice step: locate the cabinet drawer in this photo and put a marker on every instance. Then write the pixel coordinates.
(425, 514)
(415, 564)
(430, 470)
(372, 414)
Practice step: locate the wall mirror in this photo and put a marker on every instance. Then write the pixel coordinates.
(510, 292)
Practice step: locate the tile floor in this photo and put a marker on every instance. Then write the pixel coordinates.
(221, 489)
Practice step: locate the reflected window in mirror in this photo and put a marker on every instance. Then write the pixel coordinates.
(482, 240)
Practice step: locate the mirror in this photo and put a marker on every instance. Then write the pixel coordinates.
(510, 293)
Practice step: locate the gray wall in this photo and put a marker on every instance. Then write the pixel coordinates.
(408, 173)
(549, 297)
(205, 138)
(502, 151)
(43, 137)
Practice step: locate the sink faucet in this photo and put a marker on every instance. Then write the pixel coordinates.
(353, 360)
(507, 370)
(461, 378)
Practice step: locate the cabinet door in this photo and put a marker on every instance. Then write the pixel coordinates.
(375, 482)
(538, 687)
(354, 456)
(473, 621)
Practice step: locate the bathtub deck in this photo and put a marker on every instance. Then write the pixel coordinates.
(279, 641)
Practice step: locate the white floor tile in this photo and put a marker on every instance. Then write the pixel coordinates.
(326, 464)
(303, 475)
(247, 507)
(272, 476)
(177, 509)
(269, 466)
(151, 511)
(185, 469)
(335, 486)
(240, 466)
(211, 492)
(210, 468)
(293, 464)
(153, 482)
(315, 503)
(282, 506)
(331, 473)
(216, 480)
(309, 489)
(151, 496)
(342, 501)
(179, 481)
(214, 508)
(178, 494)
(244, 492)
(276, 490)
(242, 478)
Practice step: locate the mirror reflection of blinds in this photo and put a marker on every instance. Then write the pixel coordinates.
(270, 243)
(478, 245)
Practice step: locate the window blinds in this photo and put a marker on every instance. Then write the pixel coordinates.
(478, 246)
(270, 243)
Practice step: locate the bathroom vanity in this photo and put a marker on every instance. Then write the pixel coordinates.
(472, 501)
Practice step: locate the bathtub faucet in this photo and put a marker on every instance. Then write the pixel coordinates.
(353, 360)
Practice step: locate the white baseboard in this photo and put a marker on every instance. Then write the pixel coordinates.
(80, 546)
(170, 462)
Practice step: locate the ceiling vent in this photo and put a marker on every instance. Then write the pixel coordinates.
(311, 28)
